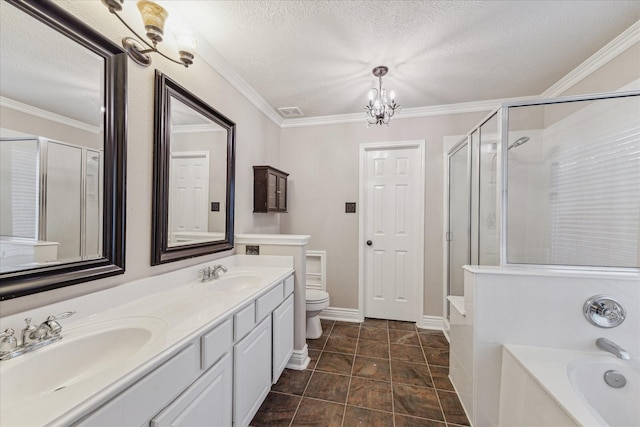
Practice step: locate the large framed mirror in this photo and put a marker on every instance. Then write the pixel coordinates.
(62, 150)
(194, 170)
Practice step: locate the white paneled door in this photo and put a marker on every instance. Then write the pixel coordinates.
(189, 191)
(392, 229)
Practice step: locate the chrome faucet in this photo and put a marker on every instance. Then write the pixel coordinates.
(206, 274)
(33, 337)
(613, 348)
(212, 273)
(215, 271)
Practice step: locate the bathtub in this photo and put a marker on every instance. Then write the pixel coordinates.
(552, 387)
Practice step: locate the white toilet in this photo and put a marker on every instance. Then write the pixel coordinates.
(316, 296)
(317, 301)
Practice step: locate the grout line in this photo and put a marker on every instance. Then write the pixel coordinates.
(432, 381)
(393, 406)
(353, 364)
(313, 371)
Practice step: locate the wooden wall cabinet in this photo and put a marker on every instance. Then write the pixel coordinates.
(269, 189)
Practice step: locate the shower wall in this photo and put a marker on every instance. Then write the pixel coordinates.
(573, 190)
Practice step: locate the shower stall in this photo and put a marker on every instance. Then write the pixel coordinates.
(51, 194)
(548, 183)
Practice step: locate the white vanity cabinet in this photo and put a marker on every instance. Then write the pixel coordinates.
(260, 356)
(251, 373)
(136, 405)
(219, 378)
(282, 337)
(206, 403)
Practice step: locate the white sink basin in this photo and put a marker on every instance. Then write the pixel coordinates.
(234, 282)
(83, 353)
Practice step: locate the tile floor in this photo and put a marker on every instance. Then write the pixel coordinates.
(375, 373)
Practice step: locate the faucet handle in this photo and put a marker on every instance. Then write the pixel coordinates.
(7, 341)
(27, 332)
(206, 273)
(52, 322)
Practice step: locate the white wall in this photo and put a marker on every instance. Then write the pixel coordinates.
(535, 307)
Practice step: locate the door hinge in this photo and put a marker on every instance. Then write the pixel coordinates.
(448, 236)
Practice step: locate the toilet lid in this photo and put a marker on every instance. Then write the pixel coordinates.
(316, 295)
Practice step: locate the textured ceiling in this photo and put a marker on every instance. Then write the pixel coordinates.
(318, 55)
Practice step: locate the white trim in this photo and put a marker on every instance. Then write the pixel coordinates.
(615, 47)
(405, 113)
(342, 314)
(363, 148)
(47, 115)
(435, 323)
(299, 359)
(322, 255)
(446, 330)
(604, 55)
(209, 55)
(272, 239)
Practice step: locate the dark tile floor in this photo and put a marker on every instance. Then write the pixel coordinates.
(375, 373)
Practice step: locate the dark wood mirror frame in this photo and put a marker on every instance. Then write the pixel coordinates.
(25, 282)
(161, 252)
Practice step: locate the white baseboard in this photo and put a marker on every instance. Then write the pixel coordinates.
(341, 314)
(300, 359)
(431, 322)
(353, 315)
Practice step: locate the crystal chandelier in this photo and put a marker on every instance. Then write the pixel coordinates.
(380, 108)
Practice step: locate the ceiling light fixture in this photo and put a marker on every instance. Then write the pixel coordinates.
(154, 17)
(380, 108)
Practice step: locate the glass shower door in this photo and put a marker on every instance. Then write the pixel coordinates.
(458, 233)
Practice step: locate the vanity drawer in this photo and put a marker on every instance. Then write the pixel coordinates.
(215, 343)
(136, 405)
(268, 302)
(244, 321)
(288, 286)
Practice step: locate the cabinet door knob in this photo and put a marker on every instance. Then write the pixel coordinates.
(369, 243)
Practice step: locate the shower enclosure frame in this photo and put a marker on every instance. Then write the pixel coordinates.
(501, 172)
(502, 183)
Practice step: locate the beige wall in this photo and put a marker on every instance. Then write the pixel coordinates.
(322, 161)
(615, 74)
(323, 165)
(257, 142)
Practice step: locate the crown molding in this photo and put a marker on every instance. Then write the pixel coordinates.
(615, 47)
(618, 45)
(47, 115)
(405, 113)
(209, 55)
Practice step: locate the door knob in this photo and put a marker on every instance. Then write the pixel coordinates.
(369, 243)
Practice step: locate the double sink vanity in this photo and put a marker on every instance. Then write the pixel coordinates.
(173, 349)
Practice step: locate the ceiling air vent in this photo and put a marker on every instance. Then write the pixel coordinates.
(288, 112)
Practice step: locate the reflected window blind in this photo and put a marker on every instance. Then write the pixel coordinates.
(595, 198)
(24, 190)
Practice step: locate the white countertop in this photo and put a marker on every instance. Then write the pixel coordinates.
(176, 304)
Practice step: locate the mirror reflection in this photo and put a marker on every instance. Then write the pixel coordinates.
(197, 177)
(194, 161)
(51, 146)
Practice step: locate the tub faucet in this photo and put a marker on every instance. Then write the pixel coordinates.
(613, 348)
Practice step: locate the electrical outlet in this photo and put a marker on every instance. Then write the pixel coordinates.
(253, 250)
(350, 207)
